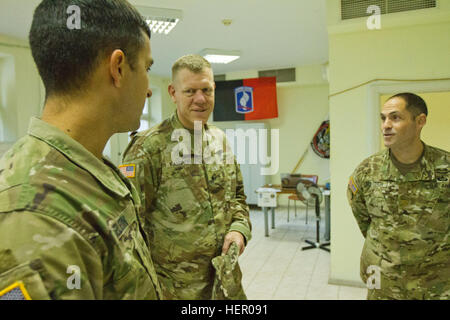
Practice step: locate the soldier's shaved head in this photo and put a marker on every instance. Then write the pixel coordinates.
(65, 57)
(193, 62)
(414, 104)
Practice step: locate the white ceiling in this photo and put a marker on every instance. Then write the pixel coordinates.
(270, 34)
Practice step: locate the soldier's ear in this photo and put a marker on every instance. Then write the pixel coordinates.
(116, 67)
(421, 120)
(171, 91)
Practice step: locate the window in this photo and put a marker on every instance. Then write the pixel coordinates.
(145, 119)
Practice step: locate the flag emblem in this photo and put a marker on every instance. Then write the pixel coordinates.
(243, 99)
(352, 185)
(16, 291)
(128, 170)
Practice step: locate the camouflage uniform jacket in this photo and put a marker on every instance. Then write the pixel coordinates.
(63, 214)
(189, 208)
(405, 221)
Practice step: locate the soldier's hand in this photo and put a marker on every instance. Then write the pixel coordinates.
(233, 236)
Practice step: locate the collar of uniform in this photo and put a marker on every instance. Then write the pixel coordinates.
(176, 123)
(426, 165)
(77, 154)
(391, 172)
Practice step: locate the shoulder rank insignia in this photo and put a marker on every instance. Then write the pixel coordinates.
(352, 185)
(128, 170)
(16, 291)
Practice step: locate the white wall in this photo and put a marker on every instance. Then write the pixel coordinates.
(20, 93)
(8, 119)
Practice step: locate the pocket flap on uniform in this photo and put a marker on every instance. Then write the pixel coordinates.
(16, 197)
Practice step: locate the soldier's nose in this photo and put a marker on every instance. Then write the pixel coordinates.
(199, 97)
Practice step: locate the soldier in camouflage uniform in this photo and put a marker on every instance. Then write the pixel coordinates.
(400, 199)
(69, 227)
(192, 189)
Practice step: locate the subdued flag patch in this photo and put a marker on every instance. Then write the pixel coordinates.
(128, 170)
(16, 291)
(352, 185)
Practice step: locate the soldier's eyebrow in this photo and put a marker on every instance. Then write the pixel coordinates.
(390, 113)
(150, 62)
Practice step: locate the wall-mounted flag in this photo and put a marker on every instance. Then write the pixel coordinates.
(248, 99)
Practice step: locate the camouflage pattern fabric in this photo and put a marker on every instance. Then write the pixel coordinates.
(227, 281)
(61, 209)
(405, 221)
(189, 208)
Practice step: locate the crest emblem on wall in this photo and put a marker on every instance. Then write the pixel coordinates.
(243, 97)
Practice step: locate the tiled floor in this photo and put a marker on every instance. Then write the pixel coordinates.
(275, 267)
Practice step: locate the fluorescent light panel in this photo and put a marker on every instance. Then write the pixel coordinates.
(220, 56)
(162, 25)
(217, 58)
(160, 20)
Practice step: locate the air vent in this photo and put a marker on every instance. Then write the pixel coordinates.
(283, 75)
(351, 9)
(219, 77)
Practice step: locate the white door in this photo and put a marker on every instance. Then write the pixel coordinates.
(250, 163)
